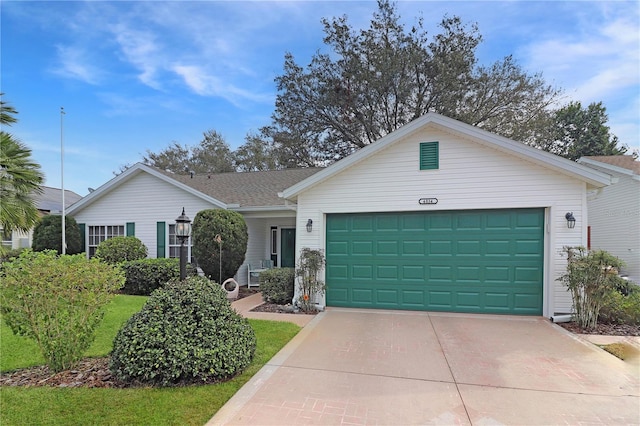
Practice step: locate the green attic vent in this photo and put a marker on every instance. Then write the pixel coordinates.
(429, 156)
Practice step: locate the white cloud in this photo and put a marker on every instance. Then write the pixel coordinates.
(139, 48)
(205, 84)
(75, 64)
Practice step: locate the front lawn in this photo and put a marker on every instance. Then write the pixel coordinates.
(64, 406)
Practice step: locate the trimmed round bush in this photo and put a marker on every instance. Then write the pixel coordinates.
(277, 285)
(143, 276)
(121, 249)
(186, 333)
(232, 229)
(47, 235)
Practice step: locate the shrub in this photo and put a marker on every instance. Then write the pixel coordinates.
(309, 266)
(277, 285)
(186, 333)
(121, 249)
(47, 235)
(10, 254)
(58, 301)
(590, 277)
(618, 308)
(145, 275)
(232, 231)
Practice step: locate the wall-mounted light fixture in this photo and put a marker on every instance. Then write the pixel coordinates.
(309, 225)
(571, 221)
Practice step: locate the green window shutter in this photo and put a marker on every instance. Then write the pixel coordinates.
(131, 229)
(83, 236)
(162, 237)
(429, 156)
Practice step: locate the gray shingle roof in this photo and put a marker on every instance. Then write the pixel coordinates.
(247, 189)
(51, 199)
(622, 161)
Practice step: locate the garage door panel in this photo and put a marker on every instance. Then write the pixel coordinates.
(362, 295)
(413, 248)
(362, 248)
(388, 248)
(336, 247)
(386, 272)
(471, 261)
(469, 300)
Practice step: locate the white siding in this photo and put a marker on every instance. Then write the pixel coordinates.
(144, 200)
(614, 217)
(470, 176)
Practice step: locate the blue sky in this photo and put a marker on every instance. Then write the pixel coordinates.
(136, 76)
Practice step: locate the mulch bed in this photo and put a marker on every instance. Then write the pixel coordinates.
(603, 329)
(89, 373)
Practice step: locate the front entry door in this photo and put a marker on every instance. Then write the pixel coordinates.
(288, 248)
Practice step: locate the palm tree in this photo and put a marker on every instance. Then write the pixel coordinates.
(20, 178)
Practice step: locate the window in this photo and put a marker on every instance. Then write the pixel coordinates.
(429, 156)
(174, 245)
(98, 234)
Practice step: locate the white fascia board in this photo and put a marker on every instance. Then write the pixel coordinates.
(593, 177)
(127, 175)
(262, 209)
(606, 166)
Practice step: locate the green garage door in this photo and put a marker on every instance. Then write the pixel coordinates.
(487, 261)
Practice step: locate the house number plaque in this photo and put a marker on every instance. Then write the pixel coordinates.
(428, 201)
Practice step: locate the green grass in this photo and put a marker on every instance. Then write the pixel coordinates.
(167, 406)
(19, 352)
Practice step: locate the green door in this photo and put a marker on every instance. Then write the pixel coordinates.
(288, 248)
(488, 261)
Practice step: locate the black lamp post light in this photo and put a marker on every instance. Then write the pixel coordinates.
(183, 229)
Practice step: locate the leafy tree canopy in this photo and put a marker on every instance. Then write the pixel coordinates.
(579, 132)
(377, 79)
(211, 155)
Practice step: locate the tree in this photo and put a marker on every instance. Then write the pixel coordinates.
(20, 178)
(219, 242)
(380, 78)
(211, 155)
(579, 132)
(255, 155)
(47, 235)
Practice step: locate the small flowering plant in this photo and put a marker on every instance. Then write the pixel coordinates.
(310, 264)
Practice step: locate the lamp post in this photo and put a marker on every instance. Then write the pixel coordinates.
(183, 229)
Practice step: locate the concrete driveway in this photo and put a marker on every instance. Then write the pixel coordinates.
(369, 367)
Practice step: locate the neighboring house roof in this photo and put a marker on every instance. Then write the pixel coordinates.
(237, 190)
(545, 159)
(50, 199)
(624, 164)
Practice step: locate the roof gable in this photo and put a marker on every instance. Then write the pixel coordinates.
(475, 134)
(234, 190)
(126, 176)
